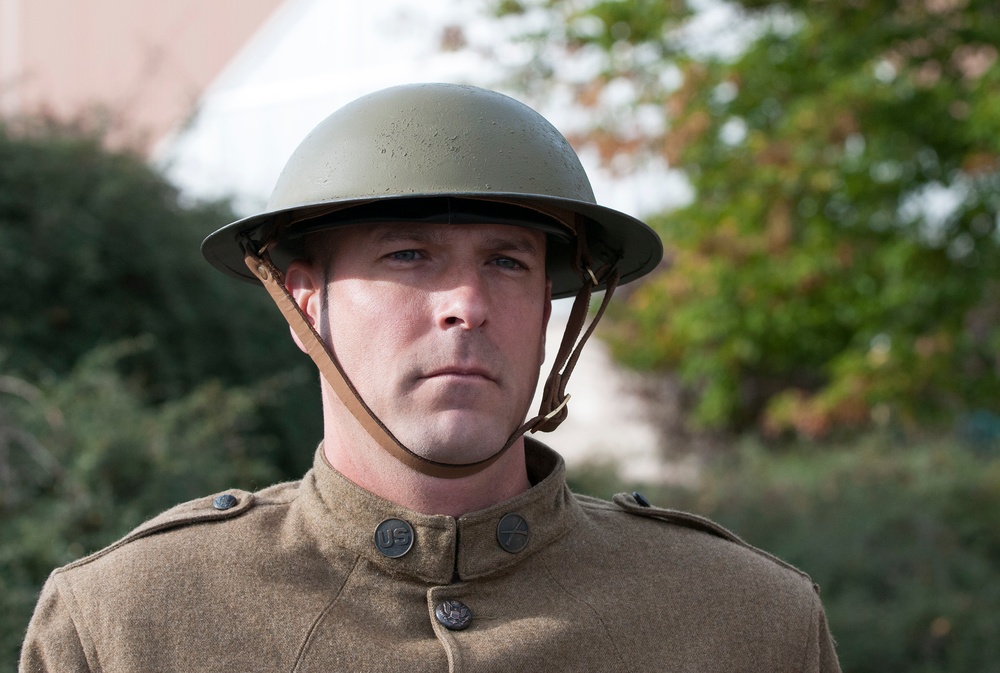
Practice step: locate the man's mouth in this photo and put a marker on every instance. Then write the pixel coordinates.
(460, 373)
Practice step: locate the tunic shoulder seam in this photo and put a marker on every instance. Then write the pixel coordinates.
(222, 506)
(628, 504)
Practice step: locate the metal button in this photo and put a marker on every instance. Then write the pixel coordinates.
(224, 502)
(512, 533)
(640, 499)
(394, 537)
(453, 615)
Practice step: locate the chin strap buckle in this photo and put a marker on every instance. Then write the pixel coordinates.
(553, 410)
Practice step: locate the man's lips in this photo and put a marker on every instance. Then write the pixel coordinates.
(470, 373)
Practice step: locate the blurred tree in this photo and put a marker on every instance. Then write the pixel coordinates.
(133, 376)
(84, 458)
(98, 247)
(839, 261)
(897, 535)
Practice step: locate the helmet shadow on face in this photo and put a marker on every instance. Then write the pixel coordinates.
(408, 147)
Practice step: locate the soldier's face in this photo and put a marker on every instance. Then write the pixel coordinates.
(441, 329)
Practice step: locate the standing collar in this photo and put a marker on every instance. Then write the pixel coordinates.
(344, 516)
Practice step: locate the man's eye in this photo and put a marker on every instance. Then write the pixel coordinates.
(404, 256)
(508, 263)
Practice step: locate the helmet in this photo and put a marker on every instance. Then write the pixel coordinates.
(441, 152)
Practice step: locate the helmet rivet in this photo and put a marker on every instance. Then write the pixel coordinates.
(262, 272)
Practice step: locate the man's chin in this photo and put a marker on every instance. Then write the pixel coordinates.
(458, 441)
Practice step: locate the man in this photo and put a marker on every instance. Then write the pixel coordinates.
(414, 243)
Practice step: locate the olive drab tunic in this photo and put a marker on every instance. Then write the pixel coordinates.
(320, 575)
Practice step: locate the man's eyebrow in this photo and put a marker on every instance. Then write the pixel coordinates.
(418, 234)
(396, 233)
(515, 244)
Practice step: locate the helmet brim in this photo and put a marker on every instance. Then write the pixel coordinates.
(612, 236)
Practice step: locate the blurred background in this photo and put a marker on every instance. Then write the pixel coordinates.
(817, 366)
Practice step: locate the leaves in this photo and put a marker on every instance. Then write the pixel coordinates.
(844, 167)
(133, 376)
(85, 458)
(899, 536)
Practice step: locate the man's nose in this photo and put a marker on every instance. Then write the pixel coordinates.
(464, 303)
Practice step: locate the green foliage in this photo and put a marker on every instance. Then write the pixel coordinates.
(84, 458)
(97, 245)
(99, 248)
(839, 261)
(898, 541)
(133, 376)
(902, 540)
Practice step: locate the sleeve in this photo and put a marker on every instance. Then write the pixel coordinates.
(53, 641)
(820, 655)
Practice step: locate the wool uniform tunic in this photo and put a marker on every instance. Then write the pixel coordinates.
(321, 575)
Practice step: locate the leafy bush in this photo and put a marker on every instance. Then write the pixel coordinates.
(133, 376)
(98, 247)
(839, 260)
(84, 458)
(903, 540)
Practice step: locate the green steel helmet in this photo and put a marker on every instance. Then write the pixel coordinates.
(441, 153)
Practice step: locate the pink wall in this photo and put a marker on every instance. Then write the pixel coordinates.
(144, 62)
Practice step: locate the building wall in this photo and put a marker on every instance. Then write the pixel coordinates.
(142, 63)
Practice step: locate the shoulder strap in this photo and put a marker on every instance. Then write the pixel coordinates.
(188, 513)
(633, 505)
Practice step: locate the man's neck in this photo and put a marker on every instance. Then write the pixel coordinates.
(373, 469)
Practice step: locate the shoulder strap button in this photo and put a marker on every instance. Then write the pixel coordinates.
(640, 499)
(224, 502)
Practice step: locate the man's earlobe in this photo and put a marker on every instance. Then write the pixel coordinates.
(304, 284)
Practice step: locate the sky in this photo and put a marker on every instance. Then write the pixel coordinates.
(314, 56)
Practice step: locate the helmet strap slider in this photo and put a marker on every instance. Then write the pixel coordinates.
(555, 411)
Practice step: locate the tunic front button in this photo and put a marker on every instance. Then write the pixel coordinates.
(453, 615)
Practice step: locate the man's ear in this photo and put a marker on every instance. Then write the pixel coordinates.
(305, 283)
(547, 313)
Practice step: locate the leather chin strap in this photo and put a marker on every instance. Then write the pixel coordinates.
(551, 413)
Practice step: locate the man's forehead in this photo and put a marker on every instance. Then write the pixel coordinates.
(500, 236)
